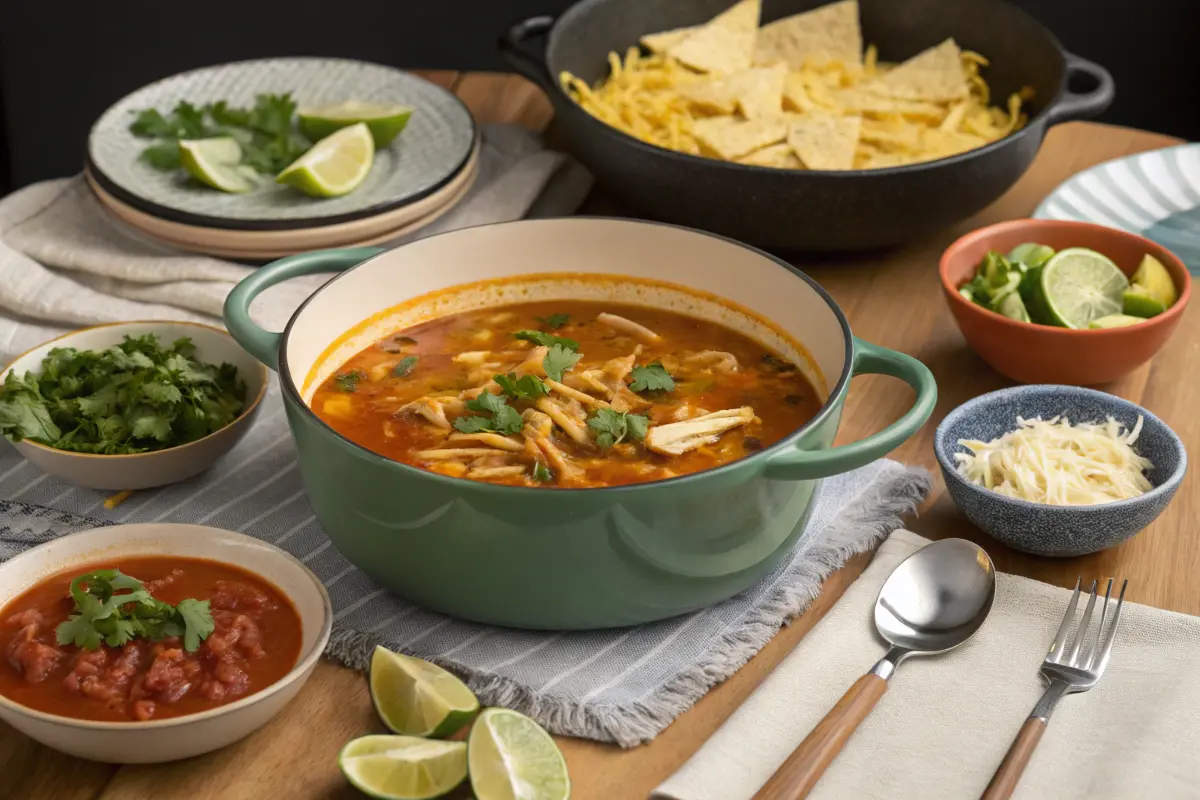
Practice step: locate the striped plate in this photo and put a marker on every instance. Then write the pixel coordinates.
(1154, 194)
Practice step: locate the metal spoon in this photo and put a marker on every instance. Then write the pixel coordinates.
(934, 601)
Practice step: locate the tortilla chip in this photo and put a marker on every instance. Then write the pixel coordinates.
(823, 141)
(877, 105)
(757, 92)
(935, 75)
(828, 33)
(723, 45)
(941, 144)
(732, 138)
(795, 96)
(664, 41)
(779, 156)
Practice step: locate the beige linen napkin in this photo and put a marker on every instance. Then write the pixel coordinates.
(947, 721)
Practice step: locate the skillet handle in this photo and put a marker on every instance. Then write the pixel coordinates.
(524, 46)
(1088, 104)
(264, 345)
(869, 359)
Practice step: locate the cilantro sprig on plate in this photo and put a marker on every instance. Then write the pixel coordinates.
(131, 398)
(266, 131)
(113, 608)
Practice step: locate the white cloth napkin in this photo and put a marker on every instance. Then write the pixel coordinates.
(65, 263)
(946, 721)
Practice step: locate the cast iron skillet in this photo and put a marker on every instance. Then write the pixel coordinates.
(808, 210)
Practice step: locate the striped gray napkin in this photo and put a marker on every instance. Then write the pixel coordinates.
(622, 685)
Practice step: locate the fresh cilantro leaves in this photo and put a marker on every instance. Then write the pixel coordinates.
(527, 387)
(554, 321)
(501, 417)
(612, 427)
(405, 367)
(348, 381)
(651, 378)
(265, 132)
(113, 608)
(549, 340)
(558, 360)
(542, 473)
(131, 398)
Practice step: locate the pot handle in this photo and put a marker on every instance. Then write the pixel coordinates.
(264, 345)
(526, 56)
(869, 359)
(1086, 105)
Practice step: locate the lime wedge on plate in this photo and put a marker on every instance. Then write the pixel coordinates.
(417, 698)
(334, 166)
(216, 162)
(1114, 321)
(403, 767)
(1139, 303)
(384, 121)
(1156, 281)
(1080, 285)
(512, 758)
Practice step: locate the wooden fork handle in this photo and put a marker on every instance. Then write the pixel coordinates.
(797, 776)
(1010, 769)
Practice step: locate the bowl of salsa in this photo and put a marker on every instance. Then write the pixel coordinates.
(154, 642)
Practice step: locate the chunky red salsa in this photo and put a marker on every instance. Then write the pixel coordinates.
(254, 641)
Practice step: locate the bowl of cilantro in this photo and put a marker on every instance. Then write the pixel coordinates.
(130, 405)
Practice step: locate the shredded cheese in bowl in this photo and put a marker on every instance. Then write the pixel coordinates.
(1056, 463)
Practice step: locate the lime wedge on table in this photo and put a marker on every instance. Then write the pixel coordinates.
(1080, 285)
(334, 166)
(384, 121)
(1155, 280)
(1114, 321)
(512, 758)
(216, 162)
(417, 698)
(403, 767)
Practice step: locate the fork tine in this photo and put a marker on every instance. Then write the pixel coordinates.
(1112, 630)
(1060, 638)
(1081, 634)
(1100, 628)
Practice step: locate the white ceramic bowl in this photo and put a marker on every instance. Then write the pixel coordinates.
(160, 467)
(176, 737)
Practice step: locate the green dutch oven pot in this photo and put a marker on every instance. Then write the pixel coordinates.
(566, 558)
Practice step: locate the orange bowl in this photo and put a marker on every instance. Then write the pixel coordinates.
(1030, 353)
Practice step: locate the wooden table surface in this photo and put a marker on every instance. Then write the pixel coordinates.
(892, 299)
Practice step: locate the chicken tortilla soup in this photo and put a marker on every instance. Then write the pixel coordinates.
(145, 638)
(570, 394)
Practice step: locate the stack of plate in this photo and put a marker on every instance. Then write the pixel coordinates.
(416, 179)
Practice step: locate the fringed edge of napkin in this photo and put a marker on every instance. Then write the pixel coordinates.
(862, 524)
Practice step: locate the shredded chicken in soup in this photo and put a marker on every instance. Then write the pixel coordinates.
(571, 394)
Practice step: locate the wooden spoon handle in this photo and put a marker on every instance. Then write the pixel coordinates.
(796, 777)
(1010, 769)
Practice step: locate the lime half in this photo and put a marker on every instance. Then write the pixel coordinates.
(334, 166)
(403, 767)
(512, 758)
(1080, 285)
(417, 698)
(216, 162)
(384, 121)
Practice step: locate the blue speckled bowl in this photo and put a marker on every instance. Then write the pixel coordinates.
(1057, 530)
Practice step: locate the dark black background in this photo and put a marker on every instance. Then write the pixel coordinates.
(63, 63)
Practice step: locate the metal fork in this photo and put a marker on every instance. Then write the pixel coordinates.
(1065, 672)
